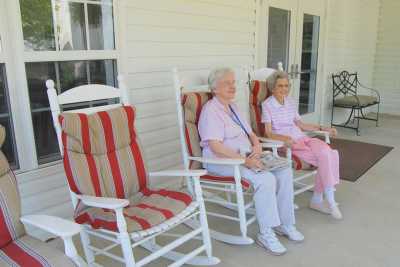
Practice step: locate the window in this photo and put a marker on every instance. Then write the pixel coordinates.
(80, 25)
(68, 41)
(66, 74)
(9, 147)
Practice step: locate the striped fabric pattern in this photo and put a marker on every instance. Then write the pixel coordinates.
(102, 157)
(30, 252)
(16, 248)
(259, 92)
(10, 226)
(102, 153)
(192, 104)
(147, 209)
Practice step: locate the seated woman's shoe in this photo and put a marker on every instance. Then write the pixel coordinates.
(271, 243)
(290, 232)
(325, 208)
(322, 207)
(335, 212)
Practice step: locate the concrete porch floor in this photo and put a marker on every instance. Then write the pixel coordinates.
(369, 234)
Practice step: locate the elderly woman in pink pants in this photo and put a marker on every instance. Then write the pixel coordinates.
(283, 122)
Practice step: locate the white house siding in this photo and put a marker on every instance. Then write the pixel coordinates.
(350, 44)
(154, 37)
(387, 62)
(192, 35)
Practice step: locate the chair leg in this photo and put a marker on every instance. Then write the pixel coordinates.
(377, 116)
(90, 259)
(240, 203)
(127, 249)
(203, 218)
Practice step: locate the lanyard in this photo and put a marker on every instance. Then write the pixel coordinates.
(237, 121)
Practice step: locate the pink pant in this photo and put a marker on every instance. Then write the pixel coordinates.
(319, 154)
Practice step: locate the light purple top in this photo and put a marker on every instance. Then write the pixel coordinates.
(216, 124)
(282, 117)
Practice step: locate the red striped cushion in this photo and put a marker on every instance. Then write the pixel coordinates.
(102, 154)
(10, 226)
(192, 104)
(30, 252)
(146, 210)
(258, 93)
(297, 163)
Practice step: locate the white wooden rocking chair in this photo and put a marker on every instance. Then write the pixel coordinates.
(109, 182)
(258, 92)
(191, 94)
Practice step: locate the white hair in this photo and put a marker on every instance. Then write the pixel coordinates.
(217, 74)
(273, 78)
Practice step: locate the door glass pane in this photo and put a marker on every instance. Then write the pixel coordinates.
(9, 146)
(37, 25)
(101, 29)
(309, 62)
(71, 25)
(278, 37)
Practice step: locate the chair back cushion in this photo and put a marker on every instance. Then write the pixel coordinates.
(10, 210)
(102, 154)
(192, 104)
(259, 91)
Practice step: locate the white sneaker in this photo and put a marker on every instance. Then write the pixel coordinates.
(335, 212)
(290, 232)
(271, 243)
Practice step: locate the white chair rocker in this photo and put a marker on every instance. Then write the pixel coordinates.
(191, 94)
(258, 92)
(109, 183)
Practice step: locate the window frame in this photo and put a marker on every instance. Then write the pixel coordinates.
(19, 99)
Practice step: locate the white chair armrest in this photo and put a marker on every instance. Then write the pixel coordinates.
(54, 225)
(103, 202)
(219, 161)
(186, 173)
(269, 140)
(319, 132)
(272, 145)
(323, 133)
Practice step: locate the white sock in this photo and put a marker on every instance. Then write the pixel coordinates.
(317, 198)
(330, 195)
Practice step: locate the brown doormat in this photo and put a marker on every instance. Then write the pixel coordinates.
(357, 157)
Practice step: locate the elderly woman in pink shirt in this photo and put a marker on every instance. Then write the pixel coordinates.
(282, 122)
(225, 133)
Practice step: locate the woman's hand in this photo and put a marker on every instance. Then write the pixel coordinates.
(253, 162)
(288, 141)
(332, 131)
(256, 151)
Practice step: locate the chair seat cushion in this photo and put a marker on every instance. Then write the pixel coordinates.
(147, 209)
(299, 164)
(30, 252)
(225, 179)
(351, 101)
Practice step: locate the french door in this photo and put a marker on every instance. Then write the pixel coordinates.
(293, 34)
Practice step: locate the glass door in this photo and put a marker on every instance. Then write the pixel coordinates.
(280, 35)
(293, 34)
(308, 65)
